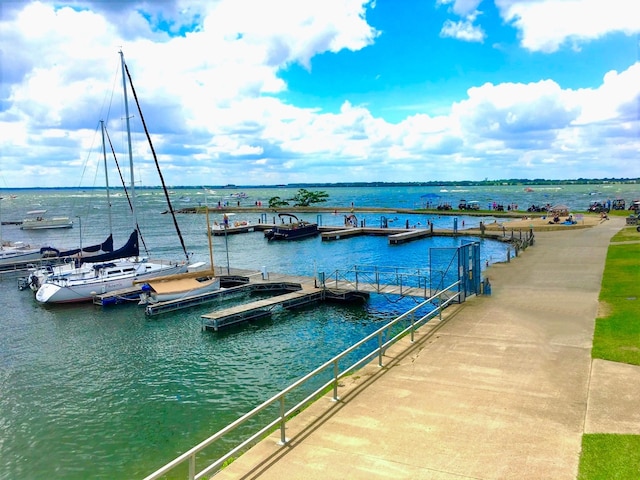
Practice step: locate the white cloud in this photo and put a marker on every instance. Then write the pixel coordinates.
(213, 99)
(461, 8)
(545, 25)
(462, 30)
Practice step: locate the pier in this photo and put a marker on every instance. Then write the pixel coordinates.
(259, 309)
(290, 291)
(348, 286)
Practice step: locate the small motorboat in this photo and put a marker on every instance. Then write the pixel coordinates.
(178, 287)
(294, 229)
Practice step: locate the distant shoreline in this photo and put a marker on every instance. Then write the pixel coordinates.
(435, 183)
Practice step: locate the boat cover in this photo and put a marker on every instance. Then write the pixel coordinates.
(106, 246)
(130, 249)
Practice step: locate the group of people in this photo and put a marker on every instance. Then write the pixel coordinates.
(569, 221)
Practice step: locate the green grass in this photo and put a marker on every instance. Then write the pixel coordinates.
(617, 333)
(627, 234)
(616, 338)
(610, 457)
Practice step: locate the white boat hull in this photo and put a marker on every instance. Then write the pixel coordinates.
(83, 286)
(11, 257)
(46, 223)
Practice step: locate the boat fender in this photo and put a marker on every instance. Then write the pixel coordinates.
(146, 287)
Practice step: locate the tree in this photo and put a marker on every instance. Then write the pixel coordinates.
(277, 202)
(304, 198)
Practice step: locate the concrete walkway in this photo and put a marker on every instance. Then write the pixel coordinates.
(503, 388)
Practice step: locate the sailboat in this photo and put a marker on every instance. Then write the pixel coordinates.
(118, 270)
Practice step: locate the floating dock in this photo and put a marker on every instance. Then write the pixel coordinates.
(407, 236)
(124, 295)
(259, 309)
(219, 232)
(193, 301)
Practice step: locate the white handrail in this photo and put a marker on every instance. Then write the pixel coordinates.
(279, 398)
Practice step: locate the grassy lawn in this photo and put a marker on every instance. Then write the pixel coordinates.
(610, 457)
(616, 338)
(617, 332)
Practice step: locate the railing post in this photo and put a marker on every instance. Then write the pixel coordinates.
(192, 467)
(283, 422)
(355, 269)
(335, 381)
(413, 323)
(380, 364)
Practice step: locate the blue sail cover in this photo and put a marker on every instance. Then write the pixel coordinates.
(106, 246)
(130, 249)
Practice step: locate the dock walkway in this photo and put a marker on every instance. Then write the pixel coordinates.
(504, 389)
(258, 309)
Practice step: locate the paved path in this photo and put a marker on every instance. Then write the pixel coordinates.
(503, 388)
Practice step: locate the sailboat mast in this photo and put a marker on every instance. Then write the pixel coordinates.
(106, 174)
(126, 113)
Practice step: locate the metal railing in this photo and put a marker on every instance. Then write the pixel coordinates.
(378, 279)
(440, 300)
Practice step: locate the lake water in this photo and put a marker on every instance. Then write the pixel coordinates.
(107, 393)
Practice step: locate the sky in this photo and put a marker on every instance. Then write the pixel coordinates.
(253, 92)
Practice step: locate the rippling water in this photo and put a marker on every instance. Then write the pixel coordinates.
(87, 392)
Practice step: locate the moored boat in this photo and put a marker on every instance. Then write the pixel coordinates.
(36, 220)
(294, 229)
(163, 289)
(84, 284)
(115, 270)
(16, 253)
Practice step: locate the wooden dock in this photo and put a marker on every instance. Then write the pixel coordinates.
(259, 309)
(409, 235)
(293, 291)
(193, 301)
(340, 233)
(219, 232)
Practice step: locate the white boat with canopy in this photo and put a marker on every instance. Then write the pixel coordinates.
(36, 220)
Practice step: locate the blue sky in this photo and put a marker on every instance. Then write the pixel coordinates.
(288, 91)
